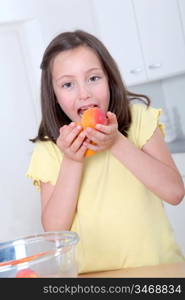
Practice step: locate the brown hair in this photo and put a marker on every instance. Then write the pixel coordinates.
(53, 116)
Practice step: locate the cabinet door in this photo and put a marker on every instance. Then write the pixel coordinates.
(161, 35)
(116, 27)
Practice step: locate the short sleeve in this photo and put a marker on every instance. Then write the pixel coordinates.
(44, 164)
(145, 120)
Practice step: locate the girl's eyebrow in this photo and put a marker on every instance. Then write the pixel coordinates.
(88, 71)
(94, 69)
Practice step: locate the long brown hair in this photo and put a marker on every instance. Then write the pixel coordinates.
(53, 116)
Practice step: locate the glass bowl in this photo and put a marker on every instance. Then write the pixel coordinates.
(49, 254)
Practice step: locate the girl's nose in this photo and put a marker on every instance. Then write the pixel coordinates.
(84, 92)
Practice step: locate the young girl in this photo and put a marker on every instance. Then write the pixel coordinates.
(113, 199)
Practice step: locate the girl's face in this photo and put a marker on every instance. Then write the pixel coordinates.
(79, 82)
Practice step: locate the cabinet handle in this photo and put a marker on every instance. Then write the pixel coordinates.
(155, 66)
(136, 70)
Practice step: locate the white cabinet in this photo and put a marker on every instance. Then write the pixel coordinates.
(116, 27)
(161, 35)
(145, 37)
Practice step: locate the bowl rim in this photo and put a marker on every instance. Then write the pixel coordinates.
(42, 256)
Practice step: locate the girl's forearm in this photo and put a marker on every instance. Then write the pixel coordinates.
(60, 209)
(162, 180)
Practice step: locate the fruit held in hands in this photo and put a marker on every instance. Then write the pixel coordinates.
(90, 118)
(93, 116)
(27, 273)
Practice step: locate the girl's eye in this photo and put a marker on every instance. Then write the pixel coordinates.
(94, 78)
(67, 85)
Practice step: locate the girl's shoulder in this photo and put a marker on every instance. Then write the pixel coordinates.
(46, 148)
(145, 119)
(45, 162)
(140, 109)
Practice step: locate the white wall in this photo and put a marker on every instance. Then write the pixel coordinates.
(174, 96)
(20, 103)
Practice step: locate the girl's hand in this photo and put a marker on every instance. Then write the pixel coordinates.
(104, 136)
(71, 141)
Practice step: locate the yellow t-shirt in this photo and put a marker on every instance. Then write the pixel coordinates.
(119, 221)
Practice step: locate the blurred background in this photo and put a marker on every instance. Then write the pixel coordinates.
(146, 38)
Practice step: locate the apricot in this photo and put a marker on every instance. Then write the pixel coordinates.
(90, 118)
(27, 273)
(93, 116)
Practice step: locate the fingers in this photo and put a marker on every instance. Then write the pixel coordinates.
(112, 124)
(81, 151)
(104, 135)
(93, 146)
(111, 118)
(69, 133)
(74, 141)
(78, 147)
(77, 143)
(71, 140)
(73, 135)
(95, 136)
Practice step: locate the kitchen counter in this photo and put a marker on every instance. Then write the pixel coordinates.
(165, 271)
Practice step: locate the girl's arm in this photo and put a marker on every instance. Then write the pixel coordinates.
(152, 165)
(59, 202)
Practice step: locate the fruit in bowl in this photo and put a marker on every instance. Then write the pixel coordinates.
(90, 118)
(42, 255)
(27, 273)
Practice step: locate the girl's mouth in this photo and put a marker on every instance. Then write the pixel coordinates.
(82, 109)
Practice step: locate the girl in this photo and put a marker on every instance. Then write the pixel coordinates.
(114, 199)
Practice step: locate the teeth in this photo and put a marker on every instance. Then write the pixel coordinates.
(82, 110)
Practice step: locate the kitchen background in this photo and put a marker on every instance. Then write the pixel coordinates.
(147, 39)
